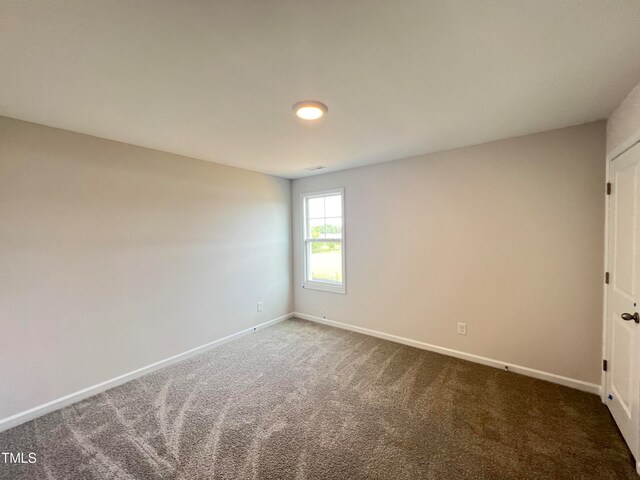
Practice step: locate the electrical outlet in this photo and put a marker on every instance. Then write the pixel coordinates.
(260, 306)
(462, 329)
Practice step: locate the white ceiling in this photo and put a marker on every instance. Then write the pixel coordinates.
(215, 80)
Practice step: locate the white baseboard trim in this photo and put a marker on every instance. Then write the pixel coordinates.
(27, 415)
(530, 372)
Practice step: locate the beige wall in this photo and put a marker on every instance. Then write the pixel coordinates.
(506, 236)
(113, 257)
(623, 126)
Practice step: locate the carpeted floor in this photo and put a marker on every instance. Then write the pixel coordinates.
(304, 401)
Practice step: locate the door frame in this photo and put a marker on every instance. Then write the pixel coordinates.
(630, 143)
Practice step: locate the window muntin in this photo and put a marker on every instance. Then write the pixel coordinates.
(324, 258)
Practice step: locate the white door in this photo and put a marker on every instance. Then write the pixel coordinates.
(623, 297)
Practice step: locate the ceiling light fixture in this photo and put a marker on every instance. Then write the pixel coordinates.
(309, 109)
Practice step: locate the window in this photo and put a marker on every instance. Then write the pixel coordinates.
(323, 214)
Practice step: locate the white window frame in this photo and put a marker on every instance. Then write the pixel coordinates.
(325, 286)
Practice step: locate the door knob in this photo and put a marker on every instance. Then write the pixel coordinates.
(627, 316)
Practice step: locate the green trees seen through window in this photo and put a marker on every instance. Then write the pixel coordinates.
(322, 247)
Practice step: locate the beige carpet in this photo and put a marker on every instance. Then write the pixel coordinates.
(304, 401)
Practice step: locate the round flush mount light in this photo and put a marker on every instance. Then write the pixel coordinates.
(309, 109)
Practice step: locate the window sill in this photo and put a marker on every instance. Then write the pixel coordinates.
(324, 287)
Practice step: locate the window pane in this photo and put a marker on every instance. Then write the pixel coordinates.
(333, 206)
(333, 228)
(316, 229)
(325, 262)
(315, 207)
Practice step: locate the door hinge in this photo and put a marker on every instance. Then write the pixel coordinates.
(604, 365)
(608, 188)
(606, 278)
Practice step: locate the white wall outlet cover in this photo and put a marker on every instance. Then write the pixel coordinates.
(260, 306)
(462, 328)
